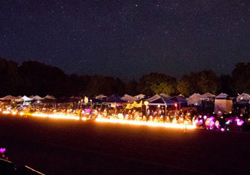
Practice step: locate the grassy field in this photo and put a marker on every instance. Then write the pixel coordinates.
(58, 147)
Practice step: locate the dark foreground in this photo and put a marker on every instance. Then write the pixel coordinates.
(73, 147)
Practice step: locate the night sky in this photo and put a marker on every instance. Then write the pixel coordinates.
(127, 38)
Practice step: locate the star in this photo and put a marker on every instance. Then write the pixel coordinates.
(151, 36)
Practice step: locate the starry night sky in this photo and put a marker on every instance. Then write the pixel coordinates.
(127, 38)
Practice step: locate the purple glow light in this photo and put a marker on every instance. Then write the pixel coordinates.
(239, 122)
(2, 150)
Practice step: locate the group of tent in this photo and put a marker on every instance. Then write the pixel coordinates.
(163, 99)
(135, 101)
(25, 98)
(196, 98)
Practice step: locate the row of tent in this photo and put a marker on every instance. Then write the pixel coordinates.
(158, 99)
(135, 101)
(161, 99)
(25, 98)
(197, 98)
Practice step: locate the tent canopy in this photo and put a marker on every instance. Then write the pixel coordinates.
(243, 97)
(139, 96)
(179, 99)
(162, 101)
(194, 99)
(155, 97)
(195, 95)
(32, 96)
(36, 97)
(114, 99)
(128, 98)
(207, 95)
(25, 98)
(49, 97)
(101, 96)
(222, 96)
(164, 95)
(9, 97)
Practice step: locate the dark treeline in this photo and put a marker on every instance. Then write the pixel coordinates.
(32, 77)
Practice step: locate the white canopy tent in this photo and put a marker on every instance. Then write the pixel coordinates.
(194, 99)
(49, 97)
(164, 95)
(221, 96)
(153, 98)
(139, 96)
(9, 97)
(36, 97)
(32, 96)
(18, 99)
(208, 97)
(223, 104)
(128, 98)
(25, 98)
(243, 97)
(101, 96)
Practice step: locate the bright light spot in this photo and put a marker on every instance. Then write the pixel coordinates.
(6, 112)
(143, 123)
(56, 116)
(120, 116)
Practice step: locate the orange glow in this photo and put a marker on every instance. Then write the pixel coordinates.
(57, 116)
(105, 120)
(143, 123)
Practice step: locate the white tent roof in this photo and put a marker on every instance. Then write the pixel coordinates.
(194, 99)
(25, 98)
(207, 95)
(155, 97)
(195, 95)
(222, 96)
(139, 96)
(32, 96)
(18, 98)
(9, 97)
(37, 98)
(101, 96)
(243, 97)
(164, 95)
(49, 97)
(128, 98)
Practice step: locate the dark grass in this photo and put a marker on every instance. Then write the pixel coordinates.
(72, 147)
